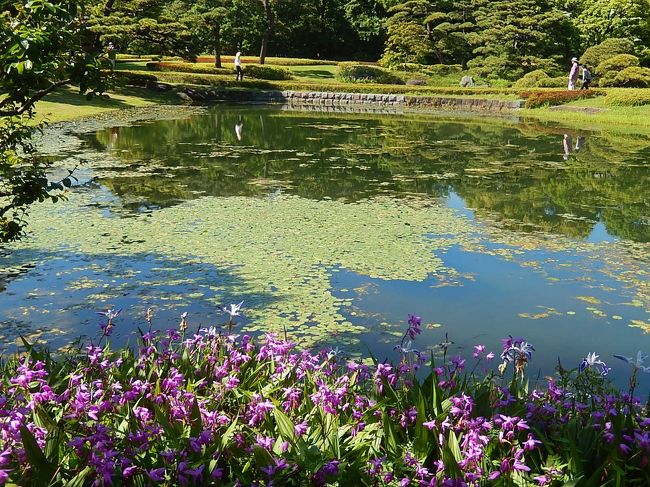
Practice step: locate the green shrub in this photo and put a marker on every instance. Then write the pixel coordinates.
(617, 63)
(536, 99)
(363, 73)
(180, 67)
(609, 48)
(530, 80)
(251, 70)
(607, 79)
(628, 98)
(259, 71)
(274, 61)
(556, 82)
(633, 77)
(442, 69)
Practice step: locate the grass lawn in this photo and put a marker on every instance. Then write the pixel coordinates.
(319, 74)
(68, 104)
(608, 117)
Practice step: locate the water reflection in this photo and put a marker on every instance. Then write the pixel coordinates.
(460, 221)
(503, 168)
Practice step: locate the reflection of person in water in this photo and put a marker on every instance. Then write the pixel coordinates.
(115, 131)
(567, 144)
(238, 128)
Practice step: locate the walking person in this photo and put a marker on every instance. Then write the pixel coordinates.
(112, 54)
(586, 78)
(573, 74)
(240, 71)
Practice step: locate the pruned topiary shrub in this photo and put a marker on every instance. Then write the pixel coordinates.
(259, 71)
(363, 73)
(555, 82)
(609, 48)
(628, 98)
(536, 99)
(617, 63)
(531, 80)
(633, 77)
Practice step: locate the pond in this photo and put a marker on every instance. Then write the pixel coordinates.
(333, 227)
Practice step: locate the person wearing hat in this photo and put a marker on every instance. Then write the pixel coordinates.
(573, 74)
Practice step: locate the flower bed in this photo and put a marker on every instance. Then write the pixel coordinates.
(217, 409)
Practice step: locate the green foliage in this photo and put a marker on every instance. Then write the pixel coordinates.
(258, 71)
(628, 98)
(531, 80)
(181, 67)
(617, 63)
(442, 69)
(632, 77)
(555, 82)
(607, 49)
(274, 61)
(363, 73)
(147, 26)
(597, 20)
(407, 43)
(538, 99)
(518, 36)
(43, 45)
(140, 79)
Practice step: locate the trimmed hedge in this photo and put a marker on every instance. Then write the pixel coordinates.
(617, 63)
(538, 99)
(530, 80)
(556, 82)
(256, 71)
(275, 61)
(362, 73)
(181, 67)
(260, 71)
(628, 98)
(632, 77)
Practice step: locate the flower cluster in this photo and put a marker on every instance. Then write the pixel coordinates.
(219, 409)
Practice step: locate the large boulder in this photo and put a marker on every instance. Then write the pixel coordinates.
(466, 82)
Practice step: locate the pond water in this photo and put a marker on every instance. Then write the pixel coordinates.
(334, 227)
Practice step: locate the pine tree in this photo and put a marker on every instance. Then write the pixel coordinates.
(514, 37)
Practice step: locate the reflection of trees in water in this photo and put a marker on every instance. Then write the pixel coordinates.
(517, 171)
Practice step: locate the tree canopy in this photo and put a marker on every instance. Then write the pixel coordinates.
(44, 44)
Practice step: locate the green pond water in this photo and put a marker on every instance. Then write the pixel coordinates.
(334, 227)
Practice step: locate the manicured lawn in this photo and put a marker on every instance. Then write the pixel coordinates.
(610, 117)
(67, 103)
(319, 74)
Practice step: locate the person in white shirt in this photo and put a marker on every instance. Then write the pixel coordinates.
(240, 71)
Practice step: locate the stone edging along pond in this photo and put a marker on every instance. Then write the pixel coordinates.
(322, 100)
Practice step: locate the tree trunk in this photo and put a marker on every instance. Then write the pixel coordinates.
(217, 46)
(270, 25)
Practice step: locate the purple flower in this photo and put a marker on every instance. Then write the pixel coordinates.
(157, 475)
(415, 322)
(331, 467)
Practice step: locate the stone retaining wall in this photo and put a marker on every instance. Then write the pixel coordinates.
(305, 99)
